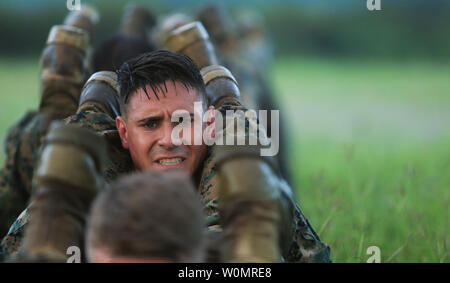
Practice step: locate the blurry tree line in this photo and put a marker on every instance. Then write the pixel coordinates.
(403, 29)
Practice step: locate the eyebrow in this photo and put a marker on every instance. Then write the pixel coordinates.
(150, 119)
(156, 118)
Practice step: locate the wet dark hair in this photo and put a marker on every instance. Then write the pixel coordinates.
(113, 51)
(154, 69)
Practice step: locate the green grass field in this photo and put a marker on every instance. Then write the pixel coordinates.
(370, 145)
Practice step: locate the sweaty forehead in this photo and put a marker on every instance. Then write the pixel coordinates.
(172, 96)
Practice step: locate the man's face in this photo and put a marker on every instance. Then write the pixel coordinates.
(146, 129)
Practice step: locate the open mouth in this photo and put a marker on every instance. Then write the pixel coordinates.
(170, 161)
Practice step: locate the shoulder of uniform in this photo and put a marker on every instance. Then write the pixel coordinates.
(98, 122)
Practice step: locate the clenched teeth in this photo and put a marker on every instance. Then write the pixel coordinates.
(170, 161)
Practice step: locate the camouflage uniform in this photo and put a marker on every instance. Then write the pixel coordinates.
(305, 247)
(23, 147)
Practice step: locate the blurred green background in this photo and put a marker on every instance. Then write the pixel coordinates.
(367, 96)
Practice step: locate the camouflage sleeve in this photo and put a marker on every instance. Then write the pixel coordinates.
(120, 161)
(11, 242)
(22, 148)
(306, 245)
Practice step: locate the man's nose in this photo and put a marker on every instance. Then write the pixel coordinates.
(166, 139)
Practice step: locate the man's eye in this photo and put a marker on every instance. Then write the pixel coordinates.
(151, 124)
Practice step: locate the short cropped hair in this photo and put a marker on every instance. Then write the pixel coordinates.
(153, 70)
(149, 215)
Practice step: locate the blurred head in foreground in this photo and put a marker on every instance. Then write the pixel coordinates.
(147, 217)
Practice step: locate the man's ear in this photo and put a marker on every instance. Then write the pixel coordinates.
(122, 128)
